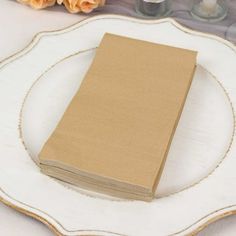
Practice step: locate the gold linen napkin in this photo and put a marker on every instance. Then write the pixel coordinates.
(115, 134)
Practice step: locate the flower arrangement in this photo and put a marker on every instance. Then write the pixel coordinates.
(73, 6)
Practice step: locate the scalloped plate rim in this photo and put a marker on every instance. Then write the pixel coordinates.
(55, 226)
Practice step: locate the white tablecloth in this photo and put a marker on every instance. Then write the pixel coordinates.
(18, 24)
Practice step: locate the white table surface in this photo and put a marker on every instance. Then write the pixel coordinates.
(18, 24)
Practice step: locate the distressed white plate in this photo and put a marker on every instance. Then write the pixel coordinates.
(199, 180)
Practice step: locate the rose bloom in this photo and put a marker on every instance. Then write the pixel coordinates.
(38, 4)
(86, 6)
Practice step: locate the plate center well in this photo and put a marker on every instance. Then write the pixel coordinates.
(200, 142)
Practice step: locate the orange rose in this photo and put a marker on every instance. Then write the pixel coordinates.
(38, 4)
(86, 6)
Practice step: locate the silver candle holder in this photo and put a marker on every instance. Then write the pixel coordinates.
(209, 10)
(153, 8)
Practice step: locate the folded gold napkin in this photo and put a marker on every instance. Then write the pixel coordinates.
(115, 135)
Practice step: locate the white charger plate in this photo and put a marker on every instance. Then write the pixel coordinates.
(198, 183)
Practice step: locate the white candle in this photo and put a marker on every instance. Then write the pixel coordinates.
(209, 5)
